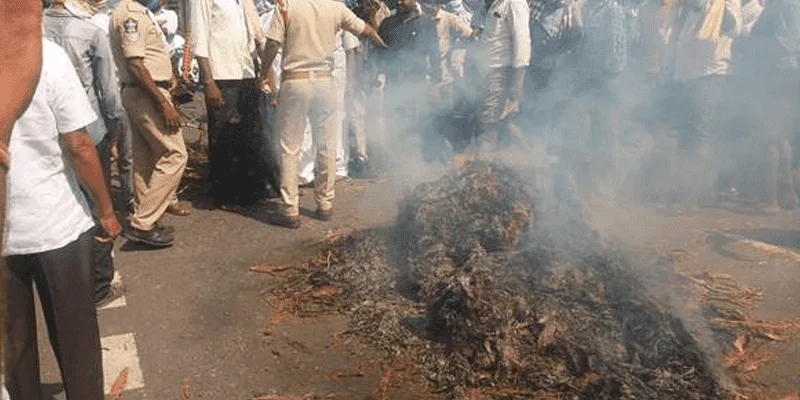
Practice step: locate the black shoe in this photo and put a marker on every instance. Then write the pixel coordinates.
(166, 228)
(155, 237)
(285, 221)
(114, 292)
(324, 215)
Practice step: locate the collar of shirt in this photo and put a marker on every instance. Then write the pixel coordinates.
(497, 6)
(68, 11)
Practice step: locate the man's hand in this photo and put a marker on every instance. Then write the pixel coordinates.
(173, 84)
(213, 95)
(273, 100)
(263, 84)
(113, 152)
(377, 41)
(171, 116)
(373, 36)
(111, 228)
(511, 107)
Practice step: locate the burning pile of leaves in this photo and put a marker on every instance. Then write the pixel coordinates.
(486, 306)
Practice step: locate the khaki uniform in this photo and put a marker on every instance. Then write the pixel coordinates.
(308, 43)
(159, 156)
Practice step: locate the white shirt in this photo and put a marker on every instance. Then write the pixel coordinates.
(168, 21)
(45, 208)
(506, 35)
(750, 13)
(103, 16)
(220, 34)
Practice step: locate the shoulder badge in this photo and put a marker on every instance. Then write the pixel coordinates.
(131, 29)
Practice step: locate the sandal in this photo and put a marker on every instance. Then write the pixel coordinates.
(180, 209)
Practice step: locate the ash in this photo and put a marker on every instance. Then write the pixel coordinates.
(470, 291)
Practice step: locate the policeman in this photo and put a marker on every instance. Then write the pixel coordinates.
(159, 152)
(307, 31)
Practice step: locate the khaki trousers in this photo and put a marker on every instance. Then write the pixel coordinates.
(317, 100)
(159, 158)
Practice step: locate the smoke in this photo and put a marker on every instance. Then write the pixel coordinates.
(603, 124)
(621, 131)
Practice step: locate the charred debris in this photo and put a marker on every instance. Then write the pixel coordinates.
(472, 286)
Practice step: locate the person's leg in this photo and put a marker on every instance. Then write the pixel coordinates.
(292, 112)
(167, 170)
(269, 148)
(306, 158)
(101, 252)
(125, 162)
(323, 117)
(221, 144)
(701, 143)
(491, 107)
(358, 121)
(65, 283)
(342, 142)
(143, 158)
(21, 350)
(103, 261)
(252, 126)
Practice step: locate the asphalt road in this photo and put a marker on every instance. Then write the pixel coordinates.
(193, 317)
(193, 312)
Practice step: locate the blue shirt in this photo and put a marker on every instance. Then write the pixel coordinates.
(88, 50)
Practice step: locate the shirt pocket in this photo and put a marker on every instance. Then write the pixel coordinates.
(496, 18)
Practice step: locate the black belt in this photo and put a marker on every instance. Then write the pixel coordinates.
(162, 84)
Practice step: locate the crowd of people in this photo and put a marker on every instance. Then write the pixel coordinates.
(295, 90)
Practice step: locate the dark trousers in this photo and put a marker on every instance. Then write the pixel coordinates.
(64, 279)
(125, 163)
(699, 130)
(101, 252)
(241, 166)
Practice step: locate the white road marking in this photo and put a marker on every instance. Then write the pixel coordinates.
(119, 352)
(119, 302)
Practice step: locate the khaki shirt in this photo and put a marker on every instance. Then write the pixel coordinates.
(309, 40)
(448, 28)
(135, 34)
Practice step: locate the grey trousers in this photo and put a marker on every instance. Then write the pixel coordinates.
(495, 93)
(64, 279)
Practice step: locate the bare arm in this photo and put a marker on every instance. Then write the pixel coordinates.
(371, 34)
(268, 55)
(517, 84)
(80, 152)
(213, 95)
(20, 59)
